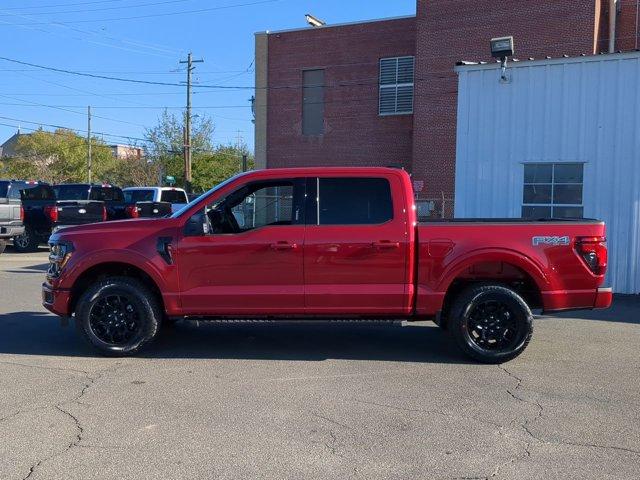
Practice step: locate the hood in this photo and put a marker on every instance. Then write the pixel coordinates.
(116, 227)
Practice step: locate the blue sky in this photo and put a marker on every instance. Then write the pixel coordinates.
(102, 37)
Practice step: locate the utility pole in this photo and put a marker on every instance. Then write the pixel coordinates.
(89, 141)
(187, 131)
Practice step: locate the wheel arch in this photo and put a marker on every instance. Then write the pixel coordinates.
(112, 269)
(497, 267)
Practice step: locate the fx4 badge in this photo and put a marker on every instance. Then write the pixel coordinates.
(555, 241)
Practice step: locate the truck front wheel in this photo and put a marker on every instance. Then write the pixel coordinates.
(118, 316)
(491, 323)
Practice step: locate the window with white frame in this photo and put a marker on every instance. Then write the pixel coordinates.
(552, 190)
(396, 86)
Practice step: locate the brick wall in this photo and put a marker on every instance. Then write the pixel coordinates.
(451, 31)
(354, 133)
(442, 33)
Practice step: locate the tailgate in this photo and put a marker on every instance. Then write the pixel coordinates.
(9, 212)
(79, 212)
(153, 209)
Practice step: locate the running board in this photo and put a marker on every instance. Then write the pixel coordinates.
(293, 321)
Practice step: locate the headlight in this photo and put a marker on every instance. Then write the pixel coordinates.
(59, 255)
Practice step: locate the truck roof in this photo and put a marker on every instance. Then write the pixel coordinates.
(154, 188)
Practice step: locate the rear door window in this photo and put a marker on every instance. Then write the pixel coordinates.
(173, 196)
(353, 201)
(4, 189)
(106, 194)
(134, 196)
(71, 192)
(37, 192)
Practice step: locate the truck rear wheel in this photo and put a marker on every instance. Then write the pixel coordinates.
(118, 316)
(27, 242)
(491, 323)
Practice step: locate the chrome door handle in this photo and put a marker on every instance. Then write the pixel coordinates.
(385, 244)
(284, 246)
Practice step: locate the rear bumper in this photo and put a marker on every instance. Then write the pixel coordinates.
(604, 298)
(56, 300)
(10, 231)
(560, 300)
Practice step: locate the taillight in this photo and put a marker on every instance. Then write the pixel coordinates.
(593, 251)
(132, 211)
(104, 213)
(51, 212)
(21, 213)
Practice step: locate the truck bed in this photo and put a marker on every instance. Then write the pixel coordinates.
(538, 255)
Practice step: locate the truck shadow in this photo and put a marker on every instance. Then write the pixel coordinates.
(39, 333)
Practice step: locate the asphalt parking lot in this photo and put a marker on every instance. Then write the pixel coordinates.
(318, 402)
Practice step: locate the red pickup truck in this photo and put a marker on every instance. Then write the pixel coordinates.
(323, 243)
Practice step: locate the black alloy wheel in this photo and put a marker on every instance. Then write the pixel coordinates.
(491, 323)
(115, 320)
(118, 315)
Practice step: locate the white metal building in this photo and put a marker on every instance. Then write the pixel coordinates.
(559, 137)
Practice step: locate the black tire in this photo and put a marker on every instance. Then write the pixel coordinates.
(3, 245)
(118, 316)
(27, 242)
(491, 323)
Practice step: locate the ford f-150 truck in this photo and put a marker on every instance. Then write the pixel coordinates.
(332, 243)
(112, 196)
(43, 214)
(11, 214)
(175, 198)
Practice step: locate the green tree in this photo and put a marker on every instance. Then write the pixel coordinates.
(211, 164)
(59, 156)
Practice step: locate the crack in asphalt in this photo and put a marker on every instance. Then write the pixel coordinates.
(526, 427)
(90, 381)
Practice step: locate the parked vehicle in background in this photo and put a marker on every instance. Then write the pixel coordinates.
(177, 197)
(43, 213)
(324, 242)
(112, 196)
(11, 214)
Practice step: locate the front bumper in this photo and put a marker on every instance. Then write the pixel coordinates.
(10, 231)
(56, 300)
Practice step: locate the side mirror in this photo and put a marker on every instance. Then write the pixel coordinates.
(196, 226)
(216, 217)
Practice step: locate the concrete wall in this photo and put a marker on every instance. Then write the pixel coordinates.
(565, 110)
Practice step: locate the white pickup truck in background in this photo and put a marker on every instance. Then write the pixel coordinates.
(177, 197)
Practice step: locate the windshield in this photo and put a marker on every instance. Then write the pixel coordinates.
(134, 196)
(205, 194)
(71, 192)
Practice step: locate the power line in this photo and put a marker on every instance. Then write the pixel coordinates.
(140, 5)
(62, 5)
(154, 15)
(77, 130)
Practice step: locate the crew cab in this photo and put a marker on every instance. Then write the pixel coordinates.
(323, 243)
(157, 197)
(43, 213)
(112, 196)
(11, 214)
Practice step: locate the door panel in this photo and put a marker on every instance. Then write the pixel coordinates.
(252, 261)
(357, 268)
(256, 272)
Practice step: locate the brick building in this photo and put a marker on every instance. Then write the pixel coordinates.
(385, 92)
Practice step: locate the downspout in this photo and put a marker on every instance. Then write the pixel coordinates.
(637, 12)
(612, 25)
